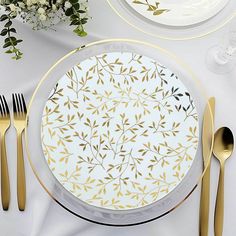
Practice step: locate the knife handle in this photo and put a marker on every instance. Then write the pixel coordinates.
(204, 203)
(219, 209)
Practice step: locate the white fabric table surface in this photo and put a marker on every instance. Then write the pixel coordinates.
(44, 217)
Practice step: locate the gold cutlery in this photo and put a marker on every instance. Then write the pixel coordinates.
(223, 148)
(20, 121)
(207, 146)
(5, 122)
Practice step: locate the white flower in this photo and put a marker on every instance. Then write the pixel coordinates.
(67, 5)
(33, 8)
(54, 7)
(42, 17)
(28, 3)
(43, 2)
(34, 1)
(41, 11)
(12, 7)
(21, 5)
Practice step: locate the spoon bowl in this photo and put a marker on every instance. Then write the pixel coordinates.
(223, 144)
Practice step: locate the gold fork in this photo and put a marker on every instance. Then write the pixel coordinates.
(20, 121)
(5, 123)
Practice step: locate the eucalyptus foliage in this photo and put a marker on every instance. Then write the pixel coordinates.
(41, 14)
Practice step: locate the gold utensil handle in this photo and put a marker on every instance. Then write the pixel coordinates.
(219, 209)
(207, 147)
(5, 183)
(21, 188)
(204, 203)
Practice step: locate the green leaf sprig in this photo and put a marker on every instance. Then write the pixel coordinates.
(75, 12)
(41, 15)
(10, 41)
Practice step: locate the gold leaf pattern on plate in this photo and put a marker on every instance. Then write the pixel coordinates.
(176, 13)
(153, 7)
(119, 131)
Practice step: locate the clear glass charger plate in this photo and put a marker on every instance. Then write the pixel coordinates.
(164, 31)
(64, 197)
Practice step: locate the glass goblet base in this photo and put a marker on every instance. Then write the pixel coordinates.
(217, 63)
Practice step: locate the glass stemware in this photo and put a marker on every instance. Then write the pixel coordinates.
(221, 59)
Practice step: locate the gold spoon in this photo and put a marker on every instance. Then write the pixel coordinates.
(223, 148)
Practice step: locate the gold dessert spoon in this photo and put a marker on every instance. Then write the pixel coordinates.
(222, 149)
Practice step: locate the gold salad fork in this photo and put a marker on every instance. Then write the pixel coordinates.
(20, 122)
(5, 122)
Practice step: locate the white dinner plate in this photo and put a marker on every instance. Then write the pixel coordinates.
(166, 25)
(120, 131)
(114, 132)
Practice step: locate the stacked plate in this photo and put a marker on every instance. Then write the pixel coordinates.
(185, 19)
(114, 132)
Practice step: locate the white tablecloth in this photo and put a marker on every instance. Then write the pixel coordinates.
(44, 217)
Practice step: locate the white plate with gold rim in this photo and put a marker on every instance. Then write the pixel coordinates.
(173, 29)
(177, 13)
(120, 132)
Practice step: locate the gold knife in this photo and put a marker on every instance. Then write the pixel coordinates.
(207, 147)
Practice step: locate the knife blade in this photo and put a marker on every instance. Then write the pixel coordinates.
(207, 147)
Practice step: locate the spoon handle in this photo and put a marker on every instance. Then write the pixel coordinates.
(219, 208)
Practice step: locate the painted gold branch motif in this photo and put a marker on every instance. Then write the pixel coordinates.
(69, 124)
(154, 8)
(133, 98)
(161, 157)
(72, 179)
(96, 158)
(190, 110)
(48, 150)
(131, 163)
(78, 85)
(192, 137)
(47, 114)
(54, 97)
(159, 127)
(65, 156)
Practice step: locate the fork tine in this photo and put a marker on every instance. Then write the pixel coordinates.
(3, 109)
(17, 104)
(24, 105)
(6, 106)
(20, 103)
(14, 103)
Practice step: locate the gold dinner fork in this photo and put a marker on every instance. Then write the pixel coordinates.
(5, 123)
(20, 122)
